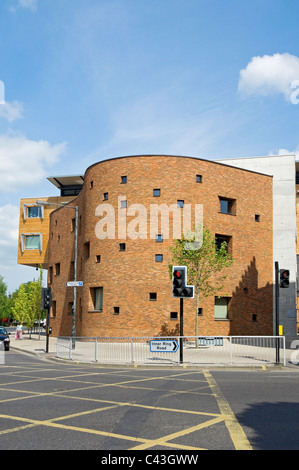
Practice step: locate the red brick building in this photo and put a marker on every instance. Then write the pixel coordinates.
(126, 288)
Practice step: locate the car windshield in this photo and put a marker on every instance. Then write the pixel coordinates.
(3, 331)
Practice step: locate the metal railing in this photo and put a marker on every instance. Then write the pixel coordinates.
(189, 350)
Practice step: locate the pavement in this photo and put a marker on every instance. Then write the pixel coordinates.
(36, 344)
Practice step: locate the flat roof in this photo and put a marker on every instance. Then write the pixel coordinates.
(62, 181)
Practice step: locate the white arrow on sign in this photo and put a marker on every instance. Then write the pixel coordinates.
(74, 283)
(164, 345)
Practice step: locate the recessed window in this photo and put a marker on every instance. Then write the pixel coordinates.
(91, 184)
(122, 247)
(70, 307)
(123, 204)
(123, 179)
(158, 258)
(227, 206)
(173, 315)
(254, 317)
(153, 295)
(86, 250)
(221, 308)
(198, 178)
(98, 258)
(180, 203)
(105, 196)
(115, 310)
(97, 298)
(219, 239)
(159, 238)
(157, 192)
(199, 312)
(57, 269)
(257, 217)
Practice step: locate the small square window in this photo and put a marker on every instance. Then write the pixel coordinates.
(227, 206)
(173, 315)
(153, 296)
(180, 203)
(122, 247)
(34, 212)
(157, 192)
(198, 178)
(115, 310)
(158, 258)
(105, 196)
(159, 238)
(123, 204)
(123, 179)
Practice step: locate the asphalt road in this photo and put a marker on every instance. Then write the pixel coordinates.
(48, 405)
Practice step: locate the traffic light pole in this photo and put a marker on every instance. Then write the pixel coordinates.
(181, 329)
(47, 329)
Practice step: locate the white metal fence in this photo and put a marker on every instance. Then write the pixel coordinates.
(205, 351)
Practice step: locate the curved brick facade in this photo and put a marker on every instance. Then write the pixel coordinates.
(127, 309)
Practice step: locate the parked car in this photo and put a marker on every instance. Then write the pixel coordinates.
(43, 323)
(4, 338)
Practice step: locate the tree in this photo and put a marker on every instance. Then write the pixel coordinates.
(204, 262)
(4, 300)
(21, 308)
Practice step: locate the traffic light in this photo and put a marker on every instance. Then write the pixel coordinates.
(179, 283)
(284, 278)
(46, 298)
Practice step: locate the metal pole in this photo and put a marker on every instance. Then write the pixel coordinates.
(181, 329)
(75, 278)
(47, 330)
(277, 310)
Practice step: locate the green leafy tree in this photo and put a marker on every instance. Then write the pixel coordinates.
(205, 262)
(22, 308)
(4, 300)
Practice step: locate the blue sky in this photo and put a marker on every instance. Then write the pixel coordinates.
(87, 80)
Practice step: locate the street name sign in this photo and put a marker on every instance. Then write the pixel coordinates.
(164, 345)
(74, 283)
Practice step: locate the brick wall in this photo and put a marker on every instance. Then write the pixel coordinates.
(249, 281)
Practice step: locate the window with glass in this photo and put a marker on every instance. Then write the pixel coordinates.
(31, 242)
(221, 308)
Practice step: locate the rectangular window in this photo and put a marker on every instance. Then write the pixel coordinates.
(122, 247)
(57, 269)
(157, 192)
(180, 203)
(105, 195)
(159, 238)
(31, 241)
(123, 204)
(221, 308)
(98, 258)
(86, 250)
(173, 315)
(34, 212)
(227, 206)
(115, 310)
(198, 178)
(224, 238)
(97, 298)
(123, 179)
(158, 258)
(153, 296)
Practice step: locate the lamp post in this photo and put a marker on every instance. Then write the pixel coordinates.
(43, 203)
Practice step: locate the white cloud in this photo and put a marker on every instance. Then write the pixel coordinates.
(9, 222)
(27, 4)
(23, 162)
(269, 75)
(11, 111)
